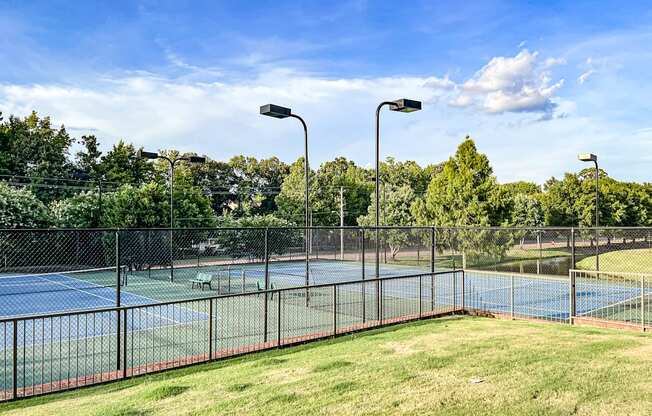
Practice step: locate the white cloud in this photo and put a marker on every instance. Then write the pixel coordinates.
(585, 75)
(220, 118)
(511, 84)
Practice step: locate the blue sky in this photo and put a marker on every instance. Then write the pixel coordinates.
(534, 83)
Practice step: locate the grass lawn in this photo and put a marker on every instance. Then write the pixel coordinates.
(452, 366)
(634, 261)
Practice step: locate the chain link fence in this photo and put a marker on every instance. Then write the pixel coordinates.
(85, 306)
(60, 351)
(63, 270)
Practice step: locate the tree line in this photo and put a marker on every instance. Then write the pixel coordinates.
(50, 179)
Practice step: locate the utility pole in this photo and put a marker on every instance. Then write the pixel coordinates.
(341, 223)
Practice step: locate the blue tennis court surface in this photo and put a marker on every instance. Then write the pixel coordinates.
(528, 295)
(51, 293)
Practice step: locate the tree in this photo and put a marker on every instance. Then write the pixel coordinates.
(88, 159)
(397, 174)
(521, 187)
(130, 206)
(465, 193)
(244, 237)
(35, 148)
(395, 211)
(527, 211)
(31, 147)
(19, 208)
(79, 211)
(559, 198)
(325, 192)
(289, 200)
(257, 182)
(120, 165)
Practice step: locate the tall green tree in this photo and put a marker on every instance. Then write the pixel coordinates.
(88, 159)
(559, 200)
(35, 148)
(527, 211)
(289, 200)
(395, 211)
(464, 193)
(120, 165)
(325, 195)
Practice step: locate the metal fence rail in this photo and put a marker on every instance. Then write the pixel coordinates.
(53, 352)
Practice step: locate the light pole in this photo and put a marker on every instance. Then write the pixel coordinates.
(404, 106)
(141, 154)
(277, 111)
(590, 157)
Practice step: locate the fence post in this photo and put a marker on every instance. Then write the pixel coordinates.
(462, 293)
(420, 295)
(210, 329)
(171, 255)
(511, 296)
(642, 303)
(266, 300)
(334, 309)
(380, 299)
(124, 345)
(118, 261)
(571, 290)
(572, 247)
(432, 268)
(14, 359)
(364, 286)
(278, 315)
(432, 249)
(454, 291)
(118, 268)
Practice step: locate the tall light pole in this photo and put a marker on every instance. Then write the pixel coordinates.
(590, 157)
(276, 111)
(404, 106)
(141, 154)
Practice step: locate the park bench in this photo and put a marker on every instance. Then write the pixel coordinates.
(201, 280)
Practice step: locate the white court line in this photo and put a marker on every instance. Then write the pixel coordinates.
(112, 300)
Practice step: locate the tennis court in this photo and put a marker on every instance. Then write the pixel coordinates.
(541, 296)
(69, 348)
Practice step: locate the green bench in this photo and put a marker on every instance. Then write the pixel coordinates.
(201, 280)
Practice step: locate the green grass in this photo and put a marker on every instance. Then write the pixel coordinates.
(633, 261)
(514, 254)
(453, 366)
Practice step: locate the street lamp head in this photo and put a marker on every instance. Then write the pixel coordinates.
(141, 154)
(406, 106)
(196, 159)
(587, 157)
(275, 111)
